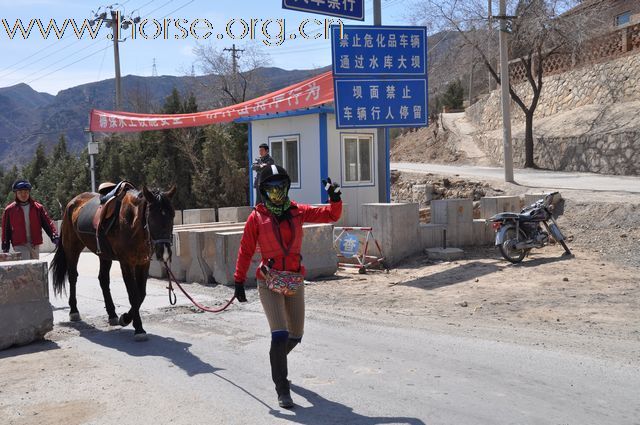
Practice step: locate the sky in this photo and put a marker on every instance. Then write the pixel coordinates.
(52, 64)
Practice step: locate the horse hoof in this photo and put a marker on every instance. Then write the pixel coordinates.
(122, 321)
(74, 317)
(140, 337)
(114, 321)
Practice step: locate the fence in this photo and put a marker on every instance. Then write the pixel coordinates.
(606, 47)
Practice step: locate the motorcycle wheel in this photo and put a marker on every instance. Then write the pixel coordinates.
(506, 249)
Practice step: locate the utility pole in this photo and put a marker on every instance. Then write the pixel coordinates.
(505, 97)
(115, 27)
(115, 22)
(234, 57)
(154, 70)
(489, 38)
(381, 134)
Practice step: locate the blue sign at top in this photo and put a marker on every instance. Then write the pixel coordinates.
(349, 9)
(361, 50)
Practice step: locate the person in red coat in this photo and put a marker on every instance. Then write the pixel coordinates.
(22, 221)
(276, 225)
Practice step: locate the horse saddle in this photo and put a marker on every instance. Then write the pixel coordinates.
(99, 214)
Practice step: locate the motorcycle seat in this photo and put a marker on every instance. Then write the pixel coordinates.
(505, 215)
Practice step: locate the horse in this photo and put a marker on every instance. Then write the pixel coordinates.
(142, 226)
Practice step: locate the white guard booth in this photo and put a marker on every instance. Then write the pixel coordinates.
(308, 145)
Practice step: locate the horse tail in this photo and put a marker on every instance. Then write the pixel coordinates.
(59, 269)
(58, 266)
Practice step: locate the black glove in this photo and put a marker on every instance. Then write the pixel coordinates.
(333, 189)
(239, 293)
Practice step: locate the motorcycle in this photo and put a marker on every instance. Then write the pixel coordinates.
(517, 234)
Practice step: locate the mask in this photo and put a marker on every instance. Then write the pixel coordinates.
(276, 192)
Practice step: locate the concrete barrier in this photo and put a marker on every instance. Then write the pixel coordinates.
(318, 255)
(531, 198)
(483, 233)
(344, 218)
(493, 205)
(25, 312)
(48, 246)
(204, 215)
(177, 220)
(234, 214)
(451, 211)
(395, 226)
(431, 235)
(10, 256)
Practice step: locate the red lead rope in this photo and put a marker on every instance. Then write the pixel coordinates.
(173, 298)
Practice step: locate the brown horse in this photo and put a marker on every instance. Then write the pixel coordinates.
(143, 227)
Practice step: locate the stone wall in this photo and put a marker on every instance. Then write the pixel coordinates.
(605, 93)
(603, 83)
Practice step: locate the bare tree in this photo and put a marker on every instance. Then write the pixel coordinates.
(238, 83)
(538, 31)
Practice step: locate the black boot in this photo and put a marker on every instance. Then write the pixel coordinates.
(279, 372)
(291, 344)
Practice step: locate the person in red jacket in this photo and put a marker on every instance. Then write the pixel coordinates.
(276, 225)
(22, 221)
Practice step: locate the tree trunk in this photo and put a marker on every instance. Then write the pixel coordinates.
(528, 141)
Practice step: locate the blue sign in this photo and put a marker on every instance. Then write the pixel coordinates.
(360, 50)
(380, 102)
(349, 9)
(379, 76)
(349, 245)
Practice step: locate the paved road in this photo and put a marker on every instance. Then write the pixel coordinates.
(213, 369)
(529, 178)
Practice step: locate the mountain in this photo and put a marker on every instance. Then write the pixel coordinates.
(28, 117)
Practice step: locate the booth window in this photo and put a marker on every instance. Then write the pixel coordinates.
(623, 18)
(284, 151)
(357, 151)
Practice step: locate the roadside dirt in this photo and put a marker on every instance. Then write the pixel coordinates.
(595, 294)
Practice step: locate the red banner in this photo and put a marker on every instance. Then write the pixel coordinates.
(312, 92)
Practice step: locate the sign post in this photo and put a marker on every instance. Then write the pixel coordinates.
(380, 76)
(349, 9)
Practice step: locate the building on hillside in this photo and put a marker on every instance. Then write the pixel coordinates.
(611, 14)
(307, 143)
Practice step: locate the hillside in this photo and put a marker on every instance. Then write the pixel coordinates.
(28, 117)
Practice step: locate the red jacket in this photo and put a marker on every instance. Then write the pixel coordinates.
(261, 229)
(14, 230)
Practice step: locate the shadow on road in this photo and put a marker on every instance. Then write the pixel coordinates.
(177, 352)
(533, 262)
(323, 411)
(461, 273)
(34, 347)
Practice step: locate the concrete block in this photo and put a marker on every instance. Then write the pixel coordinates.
(177, 220)
(395, 226)
(10, 256)
(318, 255)
(431, 235)
(25, 312)
(493, 205)
(451, 211)
(444, 254)
(344, 218)
(227, 245)
(531, 198)
(460, 234)
(422, 193)
(234, 214)
(204, 215)
(483, 233)
(47, 245)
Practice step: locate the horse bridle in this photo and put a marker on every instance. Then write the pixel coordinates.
(153, 242)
